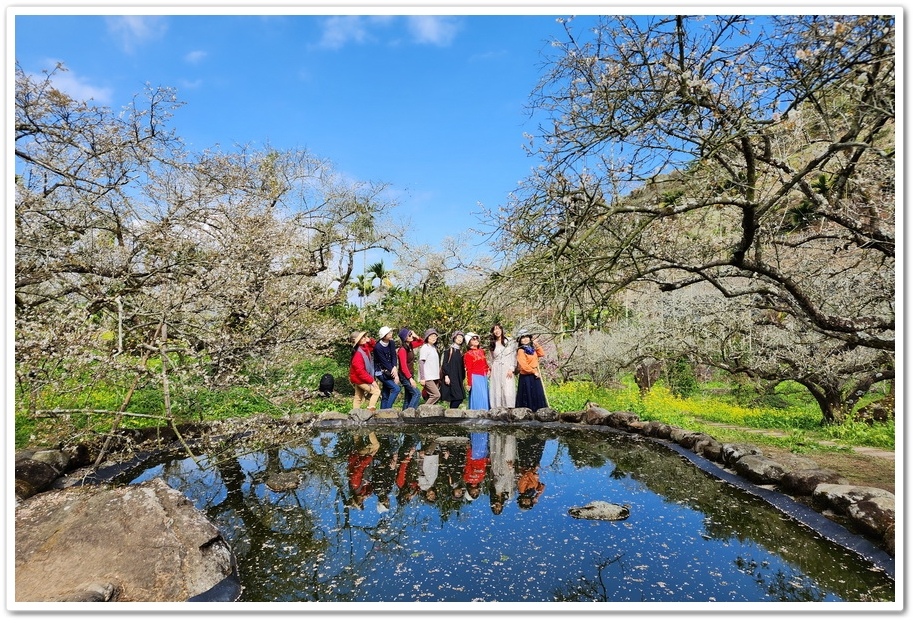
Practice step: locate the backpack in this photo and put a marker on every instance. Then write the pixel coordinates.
(326, 384)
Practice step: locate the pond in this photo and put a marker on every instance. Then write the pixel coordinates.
(441, 513)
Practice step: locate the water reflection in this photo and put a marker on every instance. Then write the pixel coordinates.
(441, 513)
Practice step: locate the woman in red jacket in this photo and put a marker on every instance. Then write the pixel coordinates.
(410, 342)
(478, 372)
(362, 371)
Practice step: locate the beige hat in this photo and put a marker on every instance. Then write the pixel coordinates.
(470, 335)
(356, 336)
(384, 331)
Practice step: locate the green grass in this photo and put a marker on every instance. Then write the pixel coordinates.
(722, 410)
(798, 417)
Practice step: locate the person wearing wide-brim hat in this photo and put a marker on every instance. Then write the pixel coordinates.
(530, 392)
(362, 371)
(453, 372)
(428, 368)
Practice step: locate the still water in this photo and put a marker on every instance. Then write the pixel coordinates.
(439, 514)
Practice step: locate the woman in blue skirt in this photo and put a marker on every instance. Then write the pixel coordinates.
(478, 372)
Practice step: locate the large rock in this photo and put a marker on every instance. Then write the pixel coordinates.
(733, 452)
(135, 543)
(760, 469)
(713, 451)
(283, 481)
(654, 428)
(623, 419)
(424, 411)
(605, 511)
(805, 481)
(839, 497)
(572, 417)
(33, 477)
(871, 509)
(874, 515)
(546, 414)
(596, 416)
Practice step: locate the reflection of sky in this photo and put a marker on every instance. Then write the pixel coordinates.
(418, 551)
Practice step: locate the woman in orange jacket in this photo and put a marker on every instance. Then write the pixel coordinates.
(530, 391)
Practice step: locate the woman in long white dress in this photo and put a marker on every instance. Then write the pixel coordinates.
(502, 369)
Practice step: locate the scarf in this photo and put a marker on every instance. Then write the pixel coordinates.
(528, 348)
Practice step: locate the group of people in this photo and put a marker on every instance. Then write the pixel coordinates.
(436, 470)
(380, 370)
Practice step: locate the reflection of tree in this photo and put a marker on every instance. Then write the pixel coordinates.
(263, 528)
(728, 512)
(590, 452)
(307, 545)
(779, 585)
(588, 589)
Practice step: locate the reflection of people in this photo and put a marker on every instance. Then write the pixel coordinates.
(362, 371)
(384, 471)
(502, 470)
(452, 387)
(451, 467)
(386, 366)
(530, 388)
(476, 462)
(530, 487)
(429, 366)
(358, 472)
(407, 471)
(478, 372)
(502, 369)
(429, 469)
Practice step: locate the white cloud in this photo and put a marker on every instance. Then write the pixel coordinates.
(78, 88)
(135, 30)
(339, 31)
(434, 29)
(343, 29)
(195, 57)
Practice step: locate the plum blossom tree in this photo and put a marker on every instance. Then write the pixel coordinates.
(126, 244)
(752, 154)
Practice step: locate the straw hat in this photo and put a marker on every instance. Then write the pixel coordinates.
(356, 336)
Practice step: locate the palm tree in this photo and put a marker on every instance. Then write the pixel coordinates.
(363, 286)
(378, 271)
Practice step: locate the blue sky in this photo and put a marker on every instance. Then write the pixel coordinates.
(434, 105)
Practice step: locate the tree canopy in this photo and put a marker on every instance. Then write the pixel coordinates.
(128, 243)
(755, 155)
